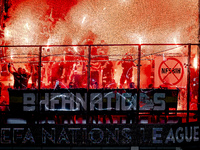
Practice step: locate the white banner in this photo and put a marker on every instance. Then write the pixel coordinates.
(170, 72)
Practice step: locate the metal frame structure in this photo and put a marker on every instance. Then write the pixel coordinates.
(33, 117)
(138, 67)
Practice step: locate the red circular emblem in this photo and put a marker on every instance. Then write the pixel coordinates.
(171, 71)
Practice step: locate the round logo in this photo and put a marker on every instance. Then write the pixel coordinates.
(171, 71)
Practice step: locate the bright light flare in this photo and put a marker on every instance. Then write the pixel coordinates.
(175, 42)
(75, 48)
(27, 26)
(123, 1)
(195, 64)
(27, 40)
(7, 33)
(48, 43)
(140, 40)
(83, 19)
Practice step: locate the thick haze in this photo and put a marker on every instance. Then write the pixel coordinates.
(115, 21)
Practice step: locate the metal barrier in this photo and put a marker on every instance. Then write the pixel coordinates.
(91, 56)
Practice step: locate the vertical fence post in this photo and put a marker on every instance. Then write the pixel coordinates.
(198, 54)
(88, 85)
(39, 82)
(188, 82)
(39, 68)
(88, 70)
(138, 82)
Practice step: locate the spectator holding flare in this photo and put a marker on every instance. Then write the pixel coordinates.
(69, 63)
(127, 65)
(107, 71)
(78, 72)
(25, 77)
(17, 77)
(32, 67)
(95, 68)
(57, 71)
